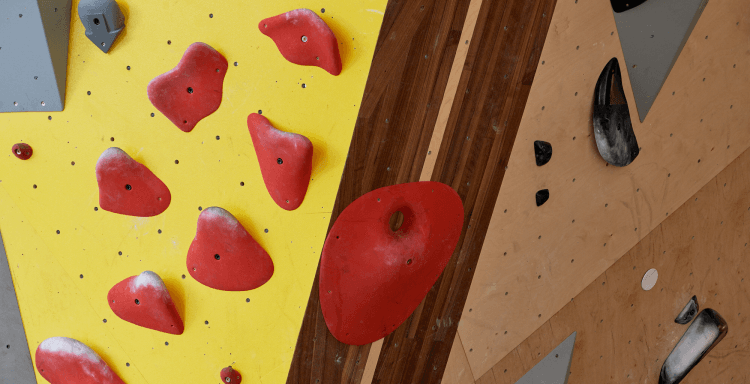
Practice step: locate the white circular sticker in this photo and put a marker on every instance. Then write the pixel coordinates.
(649, 279)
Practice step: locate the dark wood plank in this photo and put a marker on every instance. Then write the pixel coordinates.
(484, 120)
(405, 87)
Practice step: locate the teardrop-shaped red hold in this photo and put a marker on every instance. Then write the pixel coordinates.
(144, 300)
(224, 256)
(285, 160)
(304, 38)
(372, 277)
(129, 188)
(22, 151)
(229, 375)
(193, 89)
(61, 360)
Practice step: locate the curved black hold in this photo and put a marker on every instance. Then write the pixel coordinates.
(542, 196)
(687, 313)
(543, 152)
(612, 128)
(708, 329)
(623, 5)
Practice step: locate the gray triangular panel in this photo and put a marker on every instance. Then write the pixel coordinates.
(652, 36)
(555, 367)
(34, 37)
(15, 359)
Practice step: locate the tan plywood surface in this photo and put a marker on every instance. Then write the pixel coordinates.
(535, 259)
(626, 333)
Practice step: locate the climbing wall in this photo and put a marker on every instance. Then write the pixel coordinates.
(535, 259)
(65, 252)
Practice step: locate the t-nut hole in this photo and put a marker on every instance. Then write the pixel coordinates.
(103, 44)
(217, 257)
(18, 151)
(128, 187)
(304, 39)
(96, 21)
(408, 262)
(397, 219)
(190, 89)
(137, 302)
(280, 161)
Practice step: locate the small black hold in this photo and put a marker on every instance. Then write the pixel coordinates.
(688, 313)
(543, 152)
(541, 197)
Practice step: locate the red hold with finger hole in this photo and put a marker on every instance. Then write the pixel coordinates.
(304, 38)
(61, 360)
(229, 375)
(193, 89)
(224, 256)
(372, 277)
(128, 187)
(144, 300)
(285, 160)
(22, 151)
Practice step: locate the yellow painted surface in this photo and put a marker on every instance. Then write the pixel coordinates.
(256, 337)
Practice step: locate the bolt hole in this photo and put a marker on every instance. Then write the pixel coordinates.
(408, 262)
(190, 90)
(137, 302)
(103, 44)
(304, 39)
(280, 161)
(128, 187)
(217, 257)
(96, 21)
(397, 219)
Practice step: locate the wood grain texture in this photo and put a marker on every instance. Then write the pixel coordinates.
(626, 333)
(405, 87)
(482, 126)
(535, 259)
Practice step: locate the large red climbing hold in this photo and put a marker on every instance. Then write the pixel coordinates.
(304, 38)
(374, 273)
(285, 161)
(224, 256)
(22, 151)
(128, 187)
(144, 300)
(61, 360)
(192, 90)
(229, 375)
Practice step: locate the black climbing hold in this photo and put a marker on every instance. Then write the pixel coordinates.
(542, 196)
(623, 5)
(688, 313)
(543, 152)
(613, 130)
(707, 330)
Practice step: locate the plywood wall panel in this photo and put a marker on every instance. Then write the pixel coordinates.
(626, 333)
(535, 259)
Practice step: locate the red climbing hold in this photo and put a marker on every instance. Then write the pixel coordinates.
(144, 300)
(372, 277)
(61, 360)
(192, 90)
(22, 151)
(229, 375)
(224, 256)
(285, 161)
(304, 38)
(128, 187)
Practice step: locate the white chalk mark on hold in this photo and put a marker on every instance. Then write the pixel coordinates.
(649, 279)
(375, 11)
